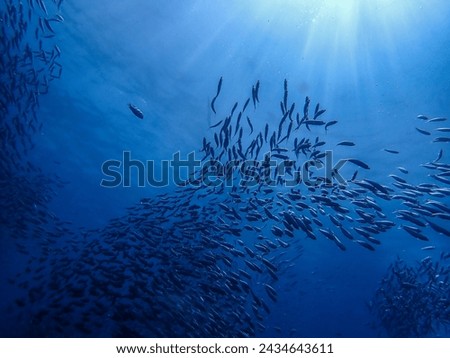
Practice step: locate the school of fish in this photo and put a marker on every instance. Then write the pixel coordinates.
(414, 300)
(29, 63)
(202, 260)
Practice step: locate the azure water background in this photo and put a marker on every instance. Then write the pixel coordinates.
(374, 66)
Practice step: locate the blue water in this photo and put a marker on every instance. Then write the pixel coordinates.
(373, 65)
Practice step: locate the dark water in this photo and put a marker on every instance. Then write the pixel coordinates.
(324, 258)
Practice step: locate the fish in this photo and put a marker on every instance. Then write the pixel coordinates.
(291, 111)
(441, 140)
(346, 143)
(423, 131)
(136, 111)
(439, 156)
(413, 231)
(209, 257)
(217, 124)
(329, 124)
(233, 109)
(306, 107)
(245, 105)
(359, 163)
(254, 96)
(408, 286)
(353, 178)
(437, 119)
(365, 245)
(219, 87)
(439, 229)
(318, 113)
(257, 91)
(271, 292)
(285, 97)
(391, 151)
(42, 6)
(250, 124)
(314, 123)
(397, 178)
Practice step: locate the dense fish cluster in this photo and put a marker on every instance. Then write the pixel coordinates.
(29, 62)
(424, 209)
(414, 301)
(207, 258)
(278, 164)
(166, 269)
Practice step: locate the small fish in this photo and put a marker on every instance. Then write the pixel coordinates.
(306, 107)
(346, 143)
(277, 231)
(403, 170)
(318, 113)
(283, 111)
(136, 111)
(269, 264)
(439, 228)
(233, 109)
(254, 96)
(42, 6)
(285, 97)
(291, 110)
(314, 123)
(219, 87)
(423, 131)
(329, 124)
(439, 156)
(346, 233)
(358, 163)
(271, 292)
(397, 178)
(245, 105)
(413, 231)
(58, 51)
(391, 151)
(58, 18)
(339, 244)
(373, 240)
(441, 140)
(421, 116)
(257, 91)
(437, 119)
(47, 25)
(250, 124)
(217, 124)
(365, 245)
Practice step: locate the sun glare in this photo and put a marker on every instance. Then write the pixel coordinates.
(342, 36)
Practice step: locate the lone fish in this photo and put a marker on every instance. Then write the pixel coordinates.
(136, 111)
(219, 87)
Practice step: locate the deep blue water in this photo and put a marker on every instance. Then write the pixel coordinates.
(373, 65)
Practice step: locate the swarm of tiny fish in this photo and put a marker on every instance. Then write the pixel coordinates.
(29, 62)
(414, 301)
(200, 260)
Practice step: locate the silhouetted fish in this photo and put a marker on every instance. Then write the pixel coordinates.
(136, 111)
